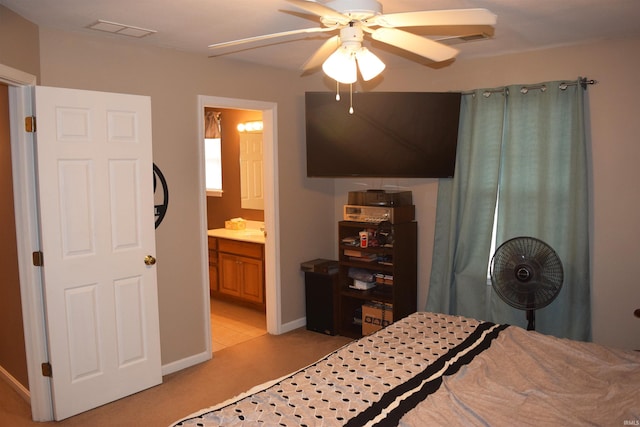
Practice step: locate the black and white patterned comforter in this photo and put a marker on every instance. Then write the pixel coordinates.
(436, 369)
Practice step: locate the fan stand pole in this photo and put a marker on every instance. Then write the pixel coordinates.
(531, 318)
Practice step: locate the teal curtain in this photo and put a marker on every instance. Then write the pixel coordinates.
(535, 160)
(465, 210)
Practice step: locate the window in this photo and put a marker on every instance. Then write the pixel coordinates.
(213, 166)
(213, 152)
(493, 240)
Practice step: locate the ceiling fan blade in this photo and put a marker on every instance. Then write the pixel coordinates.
(269, 36)
(413, 43)
(435, 17)
(321, 10)
(327, 48)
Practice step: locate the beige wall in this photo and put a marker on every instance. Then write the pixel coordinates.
(19, 45)
(615, 129)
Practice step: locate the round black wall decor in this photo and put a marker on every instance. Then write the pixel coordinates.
(160, 195)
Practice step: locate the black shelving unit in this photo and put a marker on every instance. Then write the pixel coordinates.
(398, 260)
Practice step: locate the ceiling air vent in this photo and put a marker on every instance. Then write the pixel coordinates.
(122, 29)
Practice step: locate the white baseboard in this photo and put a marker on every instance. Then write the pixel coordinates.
(15, 384)
(187, 362)
(299, 323)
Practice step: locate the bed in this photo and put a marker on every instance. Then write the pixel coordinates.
(435, 369)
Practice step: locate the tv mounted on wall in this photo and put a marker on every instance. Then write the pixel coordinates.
(389, 134)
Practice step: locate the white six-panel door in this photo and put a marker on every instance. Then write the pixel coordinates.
(95, 192)
(252, 171)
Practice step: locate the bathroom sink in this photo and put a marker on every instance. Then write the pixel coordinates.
(250, 232)
(239, 229)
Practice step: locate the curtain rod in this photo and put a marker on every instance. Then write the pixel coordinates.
(583, 82)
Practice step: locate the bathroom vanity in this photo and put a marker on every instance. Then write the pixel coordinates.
(236, 266)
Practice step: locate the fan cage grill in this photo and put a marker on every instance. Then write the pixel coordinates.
(526, 273)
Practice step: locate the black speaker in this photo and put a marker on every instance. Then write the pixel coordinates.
(321, 291)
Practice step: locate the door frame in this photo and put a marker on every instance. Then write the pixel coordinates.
(270, 179)
(27, 237)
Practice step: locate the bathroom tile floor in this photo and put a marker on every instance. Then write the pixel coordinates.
(232, 324)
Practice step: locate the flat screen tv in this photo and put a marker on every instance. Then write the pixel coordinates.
(389, 134)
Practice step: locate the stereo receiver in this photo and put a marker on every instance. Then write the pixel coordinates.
(376, 214)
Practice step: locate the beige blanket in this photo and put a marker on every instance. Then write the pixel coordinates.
(526, 378)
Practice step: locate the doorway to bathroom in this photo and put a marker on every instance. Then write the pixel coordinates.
(245, 197)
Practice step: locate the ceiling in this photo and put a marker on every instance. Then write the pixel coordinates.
(192, 25)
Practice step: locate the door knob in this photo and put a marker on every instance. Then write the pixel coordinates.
(149, 260)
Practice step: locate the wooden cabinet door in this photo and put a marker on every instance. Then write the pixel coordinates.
(241, 270)
(229, 274)
(213, 273)
(213, 264)
(251, 286)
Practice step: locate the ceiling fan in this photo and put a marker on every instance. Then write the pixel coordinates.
(356, 18)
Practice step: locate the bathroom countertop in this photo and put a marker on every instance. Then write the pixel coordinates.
(247, 235)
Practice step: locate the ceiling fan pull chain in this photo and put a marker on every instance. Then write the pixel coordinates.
(337, 90)
(351, 98)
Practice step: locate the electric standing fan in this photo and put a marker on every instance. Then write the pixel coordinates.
(527, 274)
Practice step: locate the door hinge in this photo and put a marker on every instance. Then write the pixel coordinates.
(38, 258)
(30, 124)
(46, 370)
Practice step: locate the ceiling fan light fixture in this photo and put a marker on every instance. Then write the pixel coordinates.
(341, 66)
(369, 64)
(355, 18)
